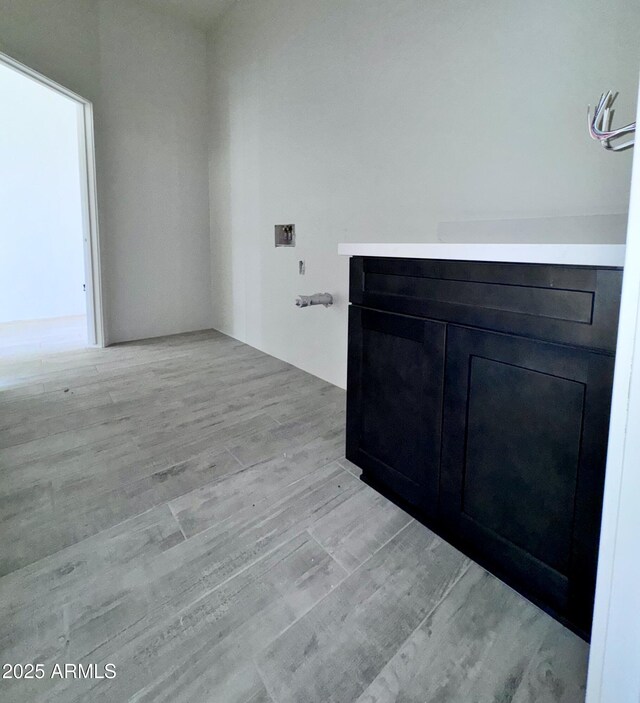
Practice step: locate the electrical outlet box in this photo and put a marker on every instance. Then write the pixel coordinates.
(285, 235)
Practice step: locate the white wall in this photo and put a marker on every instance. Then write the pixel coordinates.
(146, 75)
(41, 235)
(357, 120)
(378, 120)
(614, 657)
(154, 172)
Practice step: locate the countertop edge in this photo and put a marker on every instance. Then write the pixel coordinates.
(599, 255)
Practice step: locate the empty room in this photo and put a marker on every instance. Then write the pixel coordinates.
(319, 351)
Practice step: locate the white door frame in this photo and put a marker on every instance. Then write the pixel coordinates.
(93, 275)
(614, 661)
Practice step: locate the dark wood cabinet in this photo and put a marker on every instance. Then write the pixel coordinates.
(479, 398)
(523, 452)
(395, 402)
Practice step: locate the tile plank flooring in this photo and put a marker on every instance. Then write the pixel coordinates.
(181, 507)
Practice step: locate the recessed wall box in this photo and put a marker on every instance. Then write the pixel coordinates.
(285, 235)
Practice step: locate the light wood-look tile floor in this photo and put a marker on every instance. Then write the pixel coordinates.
(27, 338)
(181, 508)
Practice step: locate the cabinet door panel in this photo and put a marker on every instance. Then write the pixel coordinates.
(518, 477)
(523, 428)
(394, 410)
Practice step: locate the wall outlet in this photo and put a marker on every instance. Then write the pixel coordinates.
(285, 235)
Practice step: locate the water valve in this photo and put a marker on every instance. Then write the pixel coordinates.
(305, 301)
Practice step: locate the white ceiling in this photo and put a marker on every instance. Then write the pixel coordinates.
(203, 12)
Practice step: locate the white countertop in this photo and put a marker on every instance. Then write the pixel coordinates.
(567, 254)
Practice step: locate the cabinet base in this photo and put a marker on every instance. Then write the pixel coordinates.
(472, 553)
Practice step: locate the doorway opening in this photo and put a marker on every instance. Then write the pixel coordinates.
(50, 290)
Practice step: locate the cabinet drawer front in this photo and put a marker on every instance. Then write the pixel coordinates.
(573, 305)
(394, 407)
(523, 458)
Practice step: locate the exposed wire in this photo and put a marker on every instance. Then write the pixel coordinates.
(600, 126)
